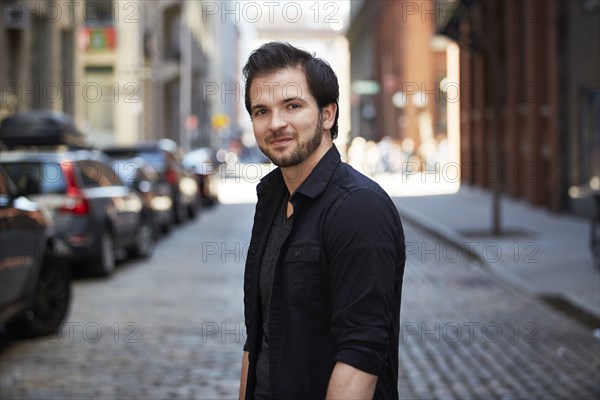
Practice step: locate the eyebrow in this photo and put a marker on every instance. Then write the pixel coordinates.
(284, 101)
(291, 99)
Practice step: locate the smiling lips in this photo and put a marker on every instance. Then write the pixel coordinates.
(281, 141)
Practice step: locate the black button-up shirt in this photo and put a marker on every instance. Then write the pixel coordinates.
(337, 286)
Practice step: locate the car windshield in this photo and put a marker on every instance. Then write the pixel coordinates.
(36, 177)
(126, 170)
(153, 157)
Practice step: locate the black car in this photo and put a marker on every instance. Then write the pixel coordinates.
(162, 156)
(96, 215)
(138, 174)
(35, 290)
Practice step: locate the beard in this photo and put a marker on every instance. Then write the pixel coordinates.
(302, 150)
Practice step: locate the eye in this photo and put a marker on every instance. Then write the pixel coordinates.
(294, 105)
(259, 112)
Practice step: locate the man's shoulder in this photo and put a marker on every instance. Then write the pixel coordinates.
(349, 180)
(358, 202)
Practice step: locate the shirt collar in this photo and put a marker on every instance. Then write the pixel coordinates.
(272, 180)
(317, 181)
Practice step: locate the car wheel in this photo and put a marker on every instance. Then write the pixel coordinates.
(180, 211)
(50, 304)
(166, 228)
(143, 245)
(192, 212)
(104, 265)
(208, 201)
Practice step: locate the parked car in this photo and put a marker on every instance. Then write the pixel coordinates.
(203, 166)
(162, 156)
(36, 289)
(95, 214)
(138, 174)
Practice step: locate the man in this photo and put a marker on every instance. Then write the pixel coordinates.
(324, 270)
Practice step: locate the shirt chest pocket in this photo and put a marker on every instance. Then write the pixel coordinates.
(304, 272)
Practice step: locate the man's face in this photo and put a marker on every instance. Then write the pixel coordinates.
(285, 117)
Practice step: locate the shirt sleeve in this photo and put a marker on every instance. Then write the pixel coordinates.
(363, 239)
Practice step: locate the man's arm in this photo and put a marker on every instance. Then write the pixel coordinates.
(244, 376)
(347, 382)
(364, 260)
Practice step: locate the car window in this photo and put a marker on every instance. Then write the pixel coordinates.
(121, 153)
(155, 158)
(127, 170)
(96, 174)
(36, 177)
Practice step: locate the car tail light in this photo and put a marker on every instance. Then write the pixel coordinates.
(76, 203)
(171, 176)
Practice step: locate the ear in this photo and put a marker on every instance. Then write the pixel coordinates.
(328, 113)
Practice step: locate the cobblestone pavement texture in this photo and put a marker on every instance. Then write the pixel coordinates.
(172, 328)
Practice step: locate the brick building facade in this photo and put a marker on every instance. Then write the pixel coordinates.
(530, 97)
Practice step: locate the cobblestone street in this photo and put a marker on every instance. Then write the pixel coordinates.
(172, 327)
(467, 335)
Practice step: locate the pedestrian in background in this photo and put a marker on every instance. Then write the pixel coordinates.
(323, 277)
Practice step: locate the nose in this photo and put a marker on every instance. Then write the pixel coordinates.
(277, 121)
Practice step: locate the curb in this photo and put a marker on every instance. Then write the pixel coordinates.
(496, 270)
(440, 231)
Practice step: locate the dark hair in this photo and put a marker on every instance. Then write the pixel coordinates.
(274, 56)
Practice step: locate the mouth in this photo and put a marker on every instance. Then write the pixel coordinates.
(282, 141)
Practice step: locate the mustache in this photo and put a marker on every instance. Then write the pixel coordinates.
(281, 135)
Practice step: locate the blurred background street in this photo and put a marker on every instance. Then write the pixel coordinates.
(128, 169)
(172, 327)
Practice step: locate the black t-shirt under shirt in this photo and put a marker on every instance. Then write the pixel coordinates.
(281, 229)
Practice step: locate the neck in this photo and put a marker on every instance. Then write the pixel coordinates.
(294, 176)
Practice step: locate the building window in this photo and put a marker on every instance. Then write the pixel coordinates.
(67, 73)
(98, 12)
(171, 32)
(40, 54)
(100, 92)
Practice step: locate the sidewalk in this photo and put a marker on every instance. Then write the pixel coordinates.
(541, 253)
